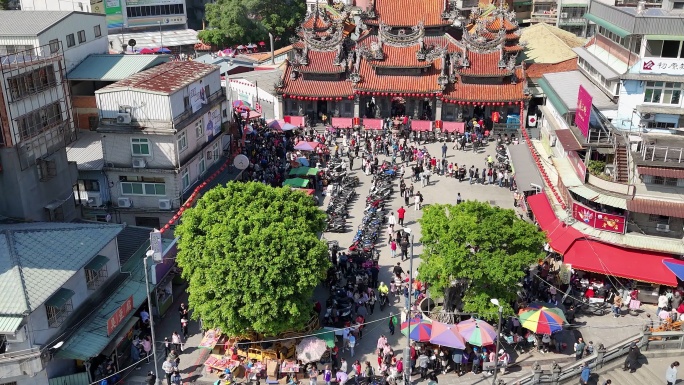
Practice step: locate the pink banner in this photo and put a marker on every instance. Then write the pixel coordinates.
(421, 125)
(372, 124)
(583, 113)
(342, 122)
(296, 120)
(454, 127)
(599, 220)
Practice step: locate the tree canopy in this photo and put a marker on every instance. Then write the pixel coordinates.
(234, 22)
(252, 257)
(485, 246)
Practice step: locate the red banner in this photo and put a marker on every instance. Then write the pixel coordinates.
(599, 220)
(583, 113)
(119, 315)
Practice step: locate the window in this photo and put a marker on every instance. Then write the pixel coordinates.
(661, 180)
(182, 142)
(662, 92)
(58, 307)
(185, 179)
(97, 30)
(81, 36)
(658, 218)
(47, 169)
(215, 151)
(32, 82)
(155, 10)
(199, 129)
(661, 125)
(54, 45)
(38, 121)
(71, 41)
(140, 185)
(664, 48)
(96, 272)
(186, 102)
(202, 166)
(140, 147)
(88, 185)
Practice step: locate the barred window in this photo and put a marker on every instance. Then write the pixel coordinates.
(35, 122)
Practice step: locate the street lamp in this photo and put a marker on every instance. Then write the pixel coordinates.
(498, 338)
(149, 254)
(407, 359)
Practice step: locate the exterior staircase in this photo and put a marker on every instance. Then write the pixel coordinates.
(651, 371)
(621, 161)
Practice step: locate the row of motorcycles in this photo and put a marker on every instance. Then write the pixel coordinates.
(342, 195)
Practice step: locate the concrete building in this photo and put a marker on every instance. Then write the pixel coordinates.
(48, 274)
(161, 131)
(565, 14)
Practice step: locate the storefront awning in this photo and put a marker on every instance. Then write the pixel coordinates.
(421, 125)
(541, 208)
(611, 260)
(607, 25)
(560, 235)
(342, 122)
(372, 124)
(676, 267)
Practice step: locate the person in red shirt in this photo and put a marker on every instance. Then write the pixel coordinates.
(400, 214)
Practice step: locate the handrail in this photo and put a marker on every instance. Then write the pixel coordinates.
(599, 358)
(11, 356)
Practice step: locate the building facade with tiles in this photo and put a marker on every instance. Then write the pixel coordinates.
(161, 130)
(423, 59)
(611, 133)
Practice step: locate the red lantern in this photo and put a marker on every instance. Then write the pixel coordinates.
(181, 210)
(166, 226)
(350, 97)
(188, 205)
(175, 217)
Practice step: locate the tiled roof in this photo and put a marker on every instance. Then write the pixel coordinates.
(656, 207)
(495, 25)
(262, 56)
(322, 88)
(322, 62)
(36, 259)
(484, 64)
(165, 78)
(425, 82)
(87, 151)
(407, 13)
(505, 92)
(113, 68)
(513, 48)
(405, 57)
(537, 70)
(662, 172)
(315, 22)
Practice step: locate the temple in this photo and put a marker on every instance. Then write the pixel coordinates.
(373, 59)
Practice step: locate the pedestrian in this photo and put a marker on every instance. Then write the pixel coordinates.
(608, 382)
(579, 349)
(371, 301)
(167, 346)
(313, 375)
(352, 344)
(585, 374)
(484, 175)
(168, 368)
(416, 201)
(176, 341)
(444, 150)
(632, 357)
(671, 373)
(176, 378)
(183, 311)
(341, 376)
(459, 200)
(393, 248)
(391, 220)
(343, 366)
(392, 322)
(147, 347)
(407, 195)
(184, 327)
(151, 379)
(401, 212)
(327, 375)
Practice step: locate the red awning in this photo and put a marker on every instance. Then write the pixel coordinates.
(543, 213)
(560, 235)
(421, 125)
(454, 127)
(372, 124)
(607, 259)
(342, 122)
(296, 120)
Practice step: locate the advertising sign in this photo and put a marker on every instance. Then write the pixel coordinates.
(154, 21)
(599, 220)
(662, 65)
(156, 246)
(578, 165)
(114, 13)
(135, 3)
(583, 113)
(197, 96)
(119, 315)
(213, 122)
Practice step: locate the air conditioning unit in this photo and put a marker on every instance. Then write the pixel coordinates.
(139, 163)
(94, 200)
(125, 202)
(165, 204)
(647, 116)
(123, 118)
(564, 15)
(662, 227)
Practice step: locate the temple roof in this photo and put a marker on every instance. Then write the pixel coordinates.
(407, 13)
(405, 56)
(425, 82)
(321, 62)
(484, 65)
(322, 88)
(505, 92)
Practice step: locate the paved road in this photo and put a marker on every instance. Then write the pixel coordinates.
(605, 329)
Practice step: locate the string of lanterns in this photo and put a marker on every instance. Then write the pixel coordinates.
(538, 161)
(242, 83)
(193, 197)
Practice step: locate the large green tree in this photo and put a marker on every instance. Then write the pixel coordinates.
(483, 246)
(252, 257)
(234, 22)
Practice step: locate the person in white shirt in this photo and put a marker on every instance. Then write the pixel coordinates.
(504, 359)
(671, 373)
(391, 220)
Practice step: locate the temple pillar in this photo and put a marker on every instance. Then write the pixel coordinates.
(357, 109)
(416, 109)
(438, 108)
(280, 113)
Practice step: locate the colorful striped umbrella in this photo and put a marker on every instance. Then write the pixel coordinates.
(241, 105)
(446, 335)
(543, 320)
(419, 329)
(477, 332)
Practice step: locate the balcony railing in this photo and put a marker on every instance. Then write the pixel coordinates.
(188, 114)
(572, 21)
(540, 17)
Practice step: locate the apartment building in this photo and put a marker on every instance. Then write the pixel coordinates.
(565, 14)
(161, 131)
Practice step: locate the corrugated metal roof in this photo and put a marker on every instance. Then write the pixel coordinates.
(566, 85)
(664, 172)
(29, 23)
(130, 240)
(113, 68)
(655, 77)
(605, 71)
(87, 151)
(658, 109)
(48, 254)
(166, 78)
(9, 324)
(656, 207)
(568, 140)
(600, 198)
